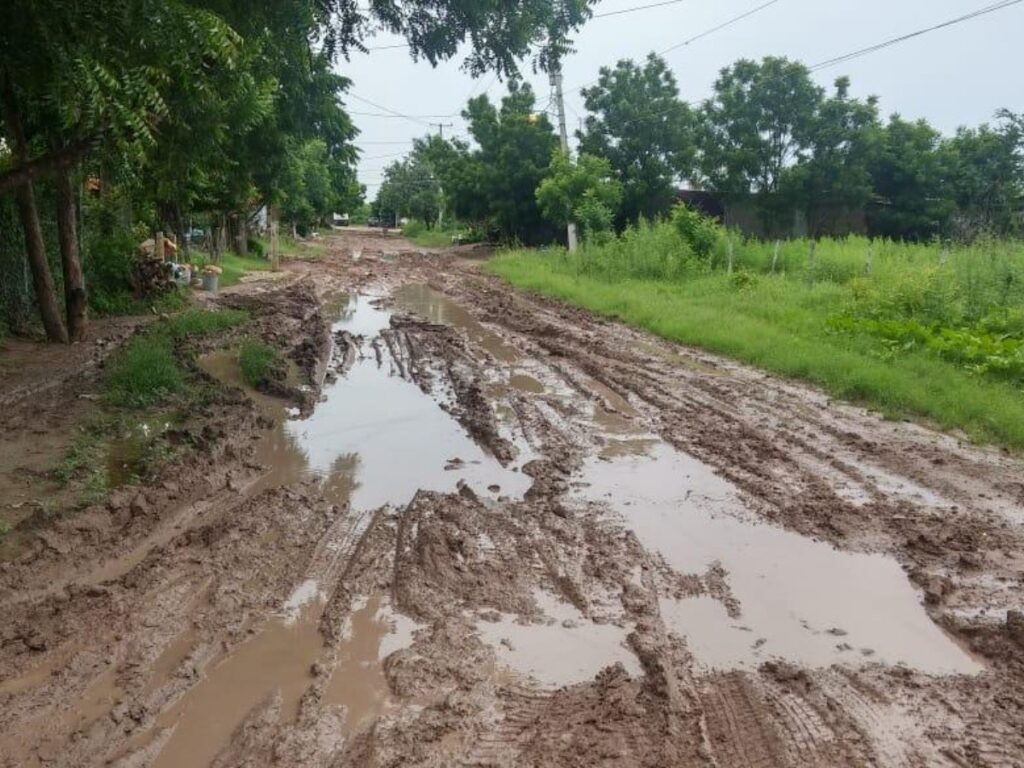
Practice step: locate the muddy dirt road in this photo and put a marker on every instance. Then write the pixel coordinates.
(490, 530)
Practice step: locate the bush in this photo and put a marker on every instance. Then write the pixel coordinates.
(108, 264)
(696, 230)
(257, 248)
(258, 362)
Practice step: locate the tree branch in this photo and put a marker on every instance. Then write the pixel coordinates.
(29, 170)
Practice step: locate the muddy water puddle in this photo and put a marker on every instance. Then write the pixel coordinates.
(562, 648)
(799, 599)
(431, 305)
(374, 439)
(372, 632)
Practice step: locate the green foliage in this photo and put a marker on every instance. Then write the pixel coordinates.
(583, 191)
(699, 232)
(410, 190)
(494, 185)
(146, 371)
(781, 323)
(760, 121)
(645, 131)
(258, 361)
(200, 322)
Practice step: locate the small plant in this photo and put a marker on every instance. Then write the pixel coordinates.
(5, 527)
(697, 231)
(259, 362)
(145, 372)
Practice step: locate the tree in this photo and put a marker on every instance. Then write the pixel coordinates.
(498, 180)
(83, 76)
(585, 192)
(835, 176)
(985, 172)
(907, 172)
(760, 122)
(411, 190)
(639, 124)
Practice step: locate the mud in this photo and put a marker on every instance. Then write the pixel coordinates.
(475, 527)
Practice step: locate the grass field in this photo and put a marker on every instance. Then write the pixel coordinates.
(913, 331)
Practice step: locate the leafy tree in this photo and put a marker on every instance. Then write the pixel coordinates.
(760, 122)
(985, 171)
(585, 192)
(639, 124)
(498, 181)
(835, 176)
(907, 171)
(410, 190)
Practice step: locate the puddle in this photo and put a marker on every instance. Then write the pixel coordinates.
(424, 301)
(564, 649)
(526, 384)
(375, 438)
(276, 659)
(373, 633)
(801, 600)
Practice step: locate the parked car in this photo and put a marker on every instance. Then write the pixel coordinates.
(373, 222)
(341, 220)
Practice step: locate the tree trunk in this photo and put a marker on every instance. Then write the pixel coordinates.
(35, 247)
(42, 279)
(75, 298)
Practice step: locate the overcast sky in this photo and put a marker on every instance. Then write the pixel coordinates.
(955, 76)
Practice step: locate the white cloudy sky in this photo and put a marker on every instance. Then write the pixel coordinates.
(954, 76)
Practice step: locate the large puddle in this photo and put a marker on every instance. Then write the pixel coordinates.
(375, 439)
(799, 599)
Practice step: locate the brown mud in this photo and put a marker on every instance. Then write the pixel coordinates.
(476, 527)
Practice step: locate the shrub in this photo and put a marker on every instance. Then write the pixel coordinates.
(698, 231)
(258, 362)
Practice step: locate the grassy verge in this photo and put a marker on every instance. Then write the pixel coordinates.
(258, 361)
(428, 238)
(235, 267)
(148, 371)
(782, 325)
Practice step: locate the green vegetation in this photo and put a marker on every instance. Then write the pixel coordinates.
(258, 361)
(145, 372)
(912, 330)
(148, 370)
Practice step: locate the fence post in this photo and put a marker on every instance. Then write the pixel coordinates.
(158, 248)
(869, 264)
(275, 251)
(729, 252)
(775, 255)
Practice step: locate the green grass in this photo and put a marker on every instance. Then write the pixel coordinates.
(257, 361)
(198, 322)
(236, 267)
(428, 238)
(147, 370)
(781, 323)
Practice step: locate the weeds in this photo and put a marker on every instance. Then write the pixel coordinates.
(147, 370)
(258, 361)
(913, 330)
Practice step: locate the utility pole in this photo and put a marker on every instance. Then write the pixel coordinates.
(440, 206)
(556, 83)
(441, 126)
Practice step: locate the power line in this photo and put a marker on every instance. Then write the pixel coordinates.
(606, 14)
(718, 27)
(903, 38)
(729, 23)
